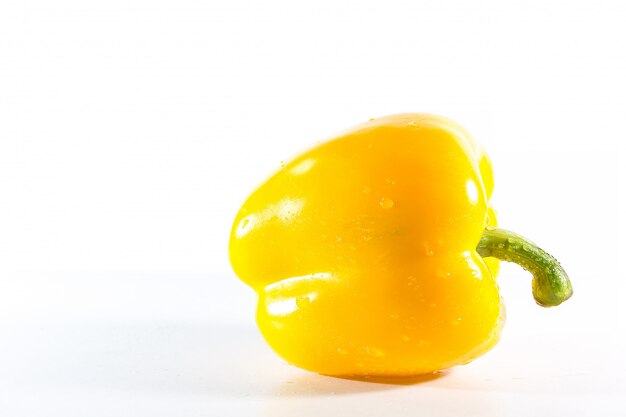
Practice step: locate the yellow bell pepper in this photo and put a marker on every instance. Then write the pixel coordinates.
(375, 253)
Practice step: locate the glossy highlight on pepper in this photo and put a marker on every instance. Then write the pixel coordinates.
(365, 252)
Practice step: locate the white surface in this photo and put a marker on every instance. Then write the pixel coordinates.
(200, 370)
(131, 131)
(105, 356)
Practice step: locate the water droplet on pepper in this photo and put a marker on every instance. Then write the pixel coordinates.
(386, 203)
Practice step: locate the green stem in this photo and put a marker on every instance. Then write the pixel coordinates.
(551, 286)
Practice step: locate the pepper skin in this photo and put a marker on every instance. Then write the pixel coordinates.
(363, 251)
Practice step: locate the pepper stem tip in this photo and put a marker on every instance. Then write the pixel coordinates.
(551, 285)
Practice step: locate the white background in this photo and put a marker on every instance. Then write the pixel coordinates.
(131, 131)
